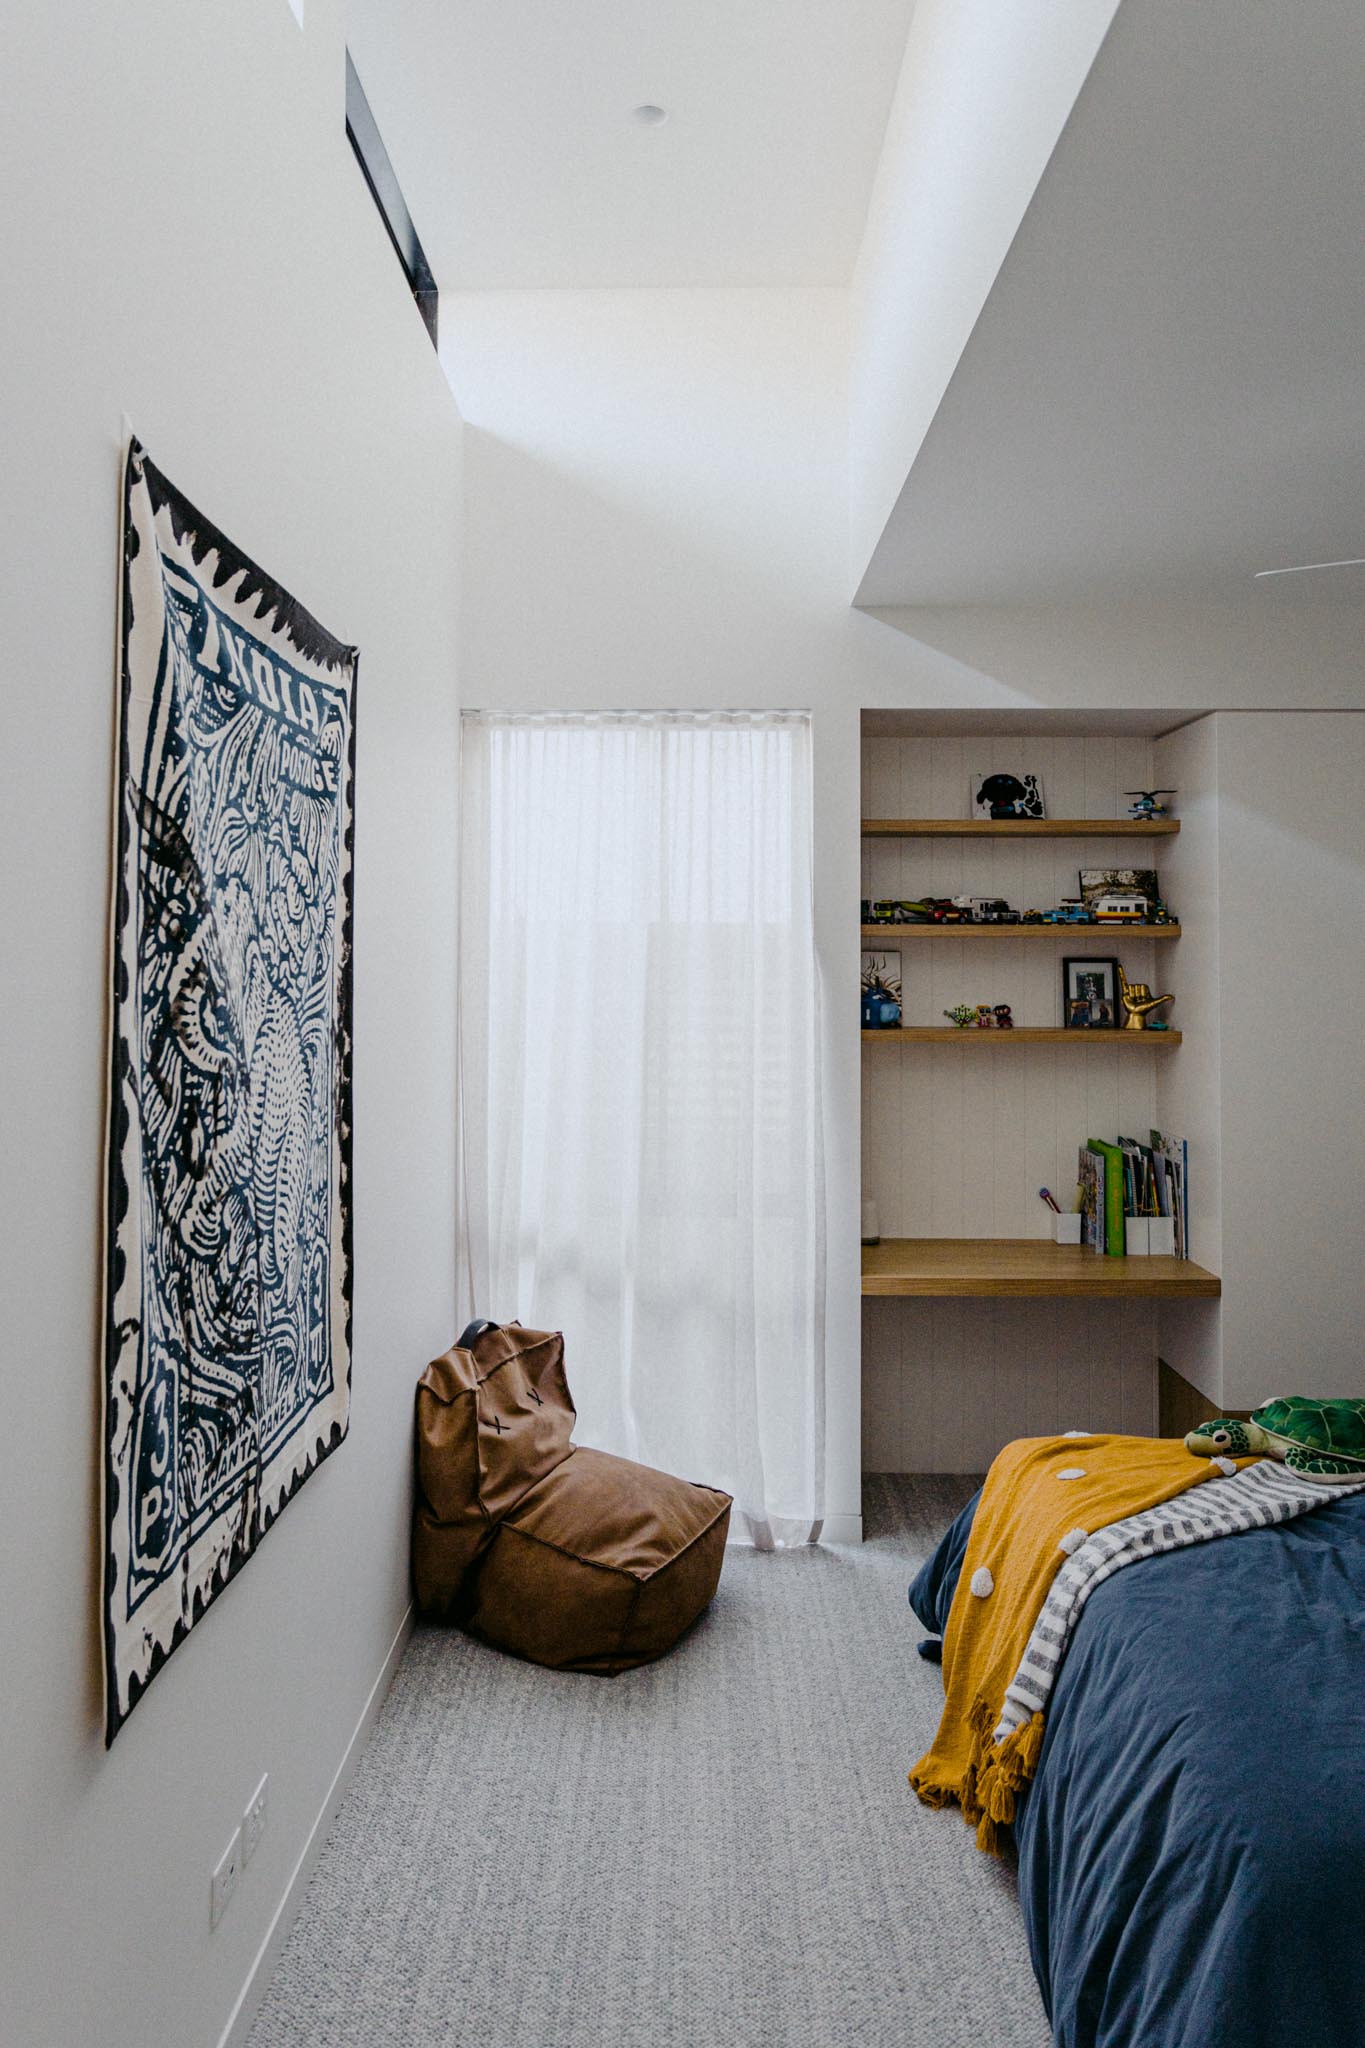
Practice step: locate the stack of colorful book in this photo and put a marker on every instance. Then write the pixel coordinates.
(1135, 1197)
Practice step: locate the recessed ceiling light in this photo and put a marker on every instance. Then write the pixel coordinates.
(1302, 568)
(650, 116)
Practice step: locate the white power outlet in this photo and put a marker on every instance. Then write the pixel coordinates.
(224, 1882)
(253, 1820)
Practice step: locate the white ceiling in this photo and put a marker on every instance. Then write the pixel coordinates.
(508, 122)
(1164, 390)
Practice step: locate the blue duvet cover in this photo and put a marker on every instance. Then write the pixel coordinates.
(1192, 1849)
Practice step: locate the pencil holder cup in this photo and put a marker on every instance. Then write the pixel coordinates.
(1066, 1229)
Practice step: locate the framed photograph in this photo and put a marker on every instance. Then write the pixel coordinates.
(1003, 795)
(1090, 994)
(1097, 882)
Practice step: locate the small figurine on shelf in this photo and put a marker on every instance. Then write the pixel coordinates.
(1004, 1017)
(881, 992)
(984, 1017)
(1139, 1002)
(881, 1010)
(1149, 803)
(961, 1015)
(1007, 796)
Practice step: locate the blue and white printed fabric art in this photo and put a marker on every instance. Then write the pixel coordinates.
(228, 1295)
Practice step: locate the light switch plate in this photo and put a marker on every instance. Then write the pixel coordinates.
(224, 1881)
(253, 1820)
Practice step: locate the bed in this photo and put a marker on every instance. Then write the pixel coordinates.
(1192, 1849)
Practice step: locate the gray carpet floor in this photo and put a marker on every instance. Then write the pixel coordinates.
(717, 1851)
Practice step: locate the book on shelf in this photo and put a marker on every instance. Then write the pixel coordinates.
(1112, 1165)
(1171, 1163)
(1090, 1182)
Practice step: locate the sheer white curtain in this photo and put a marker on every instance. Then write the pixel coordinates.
(640, 1105)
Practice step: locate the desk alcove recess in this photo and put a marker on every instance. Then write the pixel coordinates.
(976, 1267)
(976, 1326)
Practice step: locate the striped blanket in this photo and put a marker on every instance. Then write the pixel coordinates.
(1057, 1517)
(1255, 1497)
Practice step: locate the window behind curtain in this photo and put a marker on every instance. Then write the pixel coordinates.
(640, 1115)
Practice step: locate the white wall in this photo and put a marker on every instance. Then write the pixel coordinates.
(1291, 884)
(1269, 876)
(188, 239)
(1267, 646)
(1189, 1087)
(982, 97)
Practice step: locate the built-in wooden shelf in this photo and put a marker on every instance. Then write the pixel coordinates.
(878, 937)
(1022, 1034)
(971, 1266)
(1019, 828)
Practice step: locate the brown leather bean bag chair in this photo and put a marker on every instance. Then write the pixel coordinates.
(573, 1558)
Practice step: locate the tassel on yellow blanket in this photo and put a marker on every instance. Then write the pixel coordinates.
(1037, 1492)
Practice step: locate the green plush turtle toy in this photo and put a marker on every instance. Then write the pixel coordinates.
(1321, 1439)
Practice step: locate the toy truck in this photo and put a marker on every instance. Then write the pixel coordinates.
(1069, 911)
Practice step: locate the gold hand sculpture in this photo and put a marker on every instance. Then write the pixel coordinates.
(1139, 1002)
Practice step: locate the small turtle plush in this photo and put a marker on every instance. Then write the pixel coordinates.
(1321, 1439)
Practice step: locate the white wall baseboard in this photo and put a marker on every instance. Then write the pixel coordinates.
(842, 1529)
(235, 2033)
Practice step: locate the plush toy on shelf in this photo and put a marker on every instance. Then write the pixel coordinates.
(1004, 1017)
(961, 1015)
(984, 1017)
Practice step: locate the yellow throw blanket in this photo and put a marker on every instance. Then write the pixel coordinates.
(1037, 1492)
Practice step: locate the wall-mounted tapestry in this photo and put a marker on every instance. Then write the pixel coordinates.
(228, 1294)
